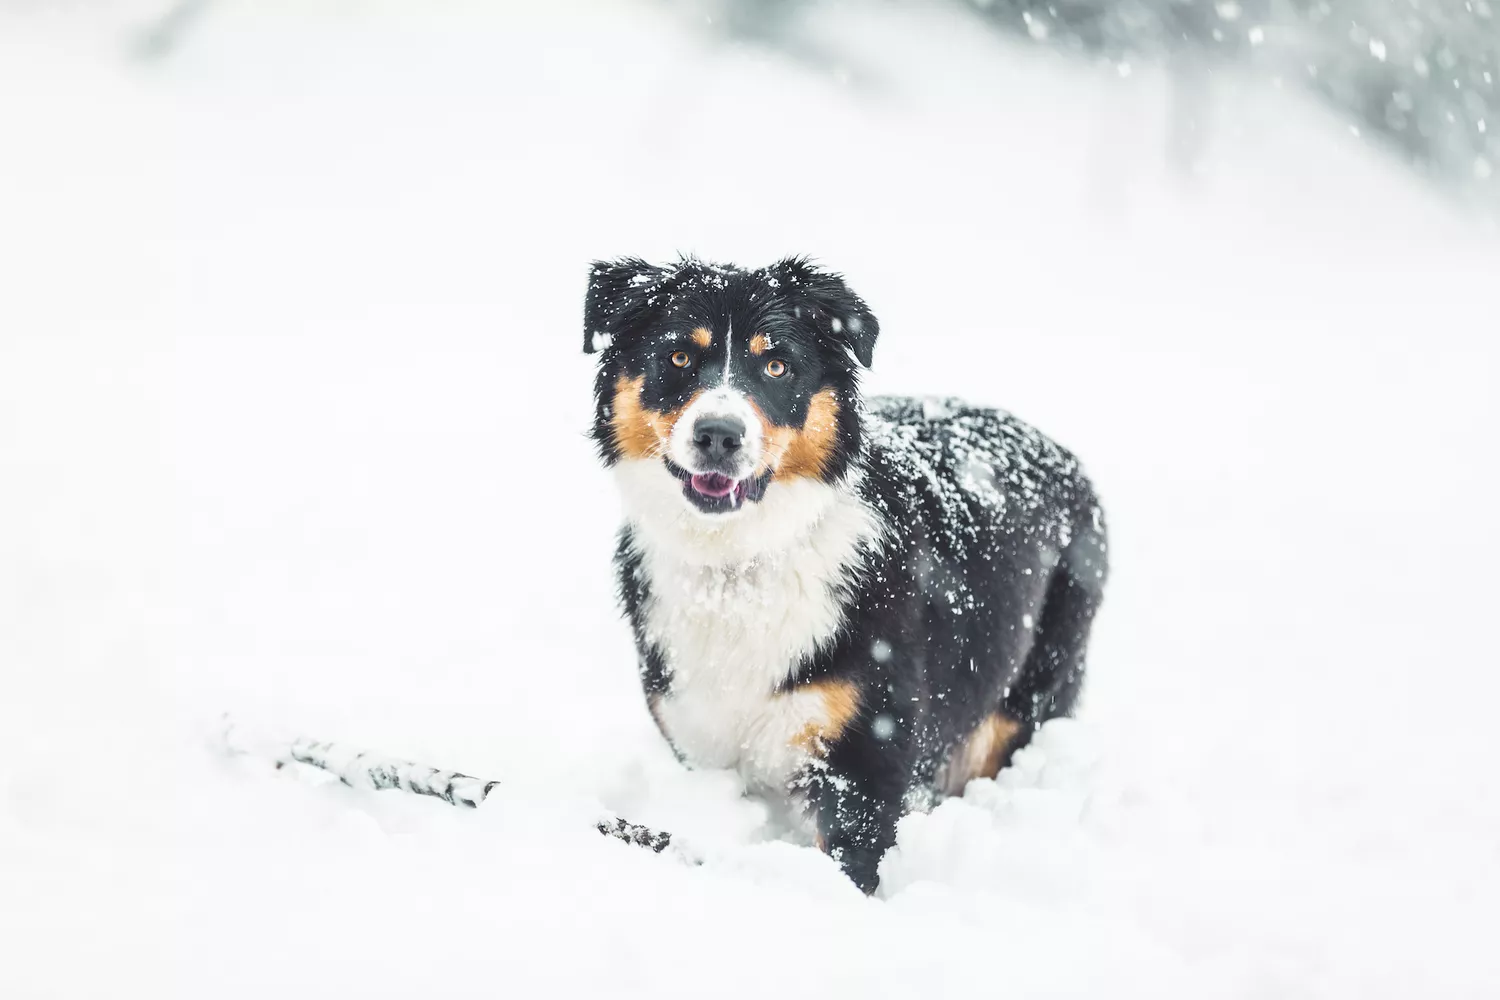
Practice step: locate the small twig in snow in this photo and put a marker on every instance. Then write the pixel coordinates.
(364, 769)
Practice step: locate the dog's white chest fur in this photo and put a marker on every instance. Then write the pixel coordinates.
(736, 604)
(730, 637)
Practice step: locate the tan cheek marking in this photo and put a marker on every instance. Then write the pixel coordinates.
(703, 336)
(759, 344)
(981, 754)
(639, 432)
(840, 702)
(806, 451)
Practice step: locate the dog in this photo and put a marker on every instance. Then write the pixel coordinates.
(859, 605)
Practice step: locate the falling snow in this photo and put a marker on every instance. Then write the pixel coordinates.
(293, 424)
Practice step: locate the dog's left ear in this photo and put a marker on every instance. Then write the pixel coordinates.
(839, 314)
(621, 294)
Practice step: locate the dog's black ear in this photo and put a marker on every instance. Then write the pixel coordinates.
(839, 314)
(621, 294)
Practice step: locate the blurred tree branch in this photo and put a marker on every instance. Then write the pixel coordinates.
(1419, 77)
(164, 35)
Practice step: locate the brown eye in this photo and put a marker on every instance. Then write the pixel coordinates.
(776, 368)
(680, 359)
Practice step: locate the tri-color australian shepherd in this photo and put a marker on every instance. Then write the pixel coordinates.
(859, 605)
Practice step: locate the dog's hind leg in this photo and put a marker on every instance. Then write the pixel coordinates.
(1052, 676)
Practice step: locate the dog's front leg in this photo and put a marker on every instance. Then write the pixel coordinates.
(856, 795)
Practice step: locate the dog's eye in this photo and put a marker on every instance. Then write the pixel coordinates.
(680, 359)
(776, 368)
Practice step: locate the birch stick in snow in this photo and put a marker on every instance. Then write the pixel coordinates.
(375, 772)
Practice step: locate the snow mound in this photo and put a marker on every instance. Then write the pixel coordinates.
(290, 374)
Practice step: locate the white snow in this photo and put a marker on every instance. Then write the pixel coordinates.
(292, 413)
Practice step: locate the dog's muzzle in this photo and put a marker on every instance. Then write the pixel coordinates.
(715, 449)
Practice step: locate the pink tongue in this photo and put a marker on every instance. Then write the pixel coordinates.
(711, 484)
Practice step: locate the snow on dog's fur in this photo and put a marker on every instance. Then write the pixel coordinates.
(859, 605)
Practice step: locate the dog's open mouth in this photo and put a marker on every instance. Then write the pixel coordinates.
(716, 493)
(712, 484)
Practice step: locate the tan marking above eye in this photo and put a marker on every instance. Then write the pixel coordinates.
(680, 359)
(760, 344)
(776, 368)
(703, 336)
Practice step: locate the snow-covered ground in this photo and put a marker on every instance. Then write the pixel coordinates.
(291, 423)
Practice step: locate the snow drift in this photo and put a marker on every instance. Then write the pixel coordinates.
(281, 325)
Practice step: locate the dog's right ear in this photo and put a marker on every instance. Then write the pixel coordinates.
(621, 294)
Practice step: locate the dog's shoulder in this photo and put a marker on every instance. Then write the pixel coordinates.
(948, 430)
(965, 463)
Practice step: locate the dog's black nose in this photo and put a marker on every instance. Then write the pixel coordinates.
(717, 437)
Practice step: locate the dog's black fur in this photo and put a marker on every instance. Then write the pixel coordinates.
(961, 632)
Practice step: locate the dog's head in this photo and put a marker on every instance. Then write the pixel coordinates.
(729, 381)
